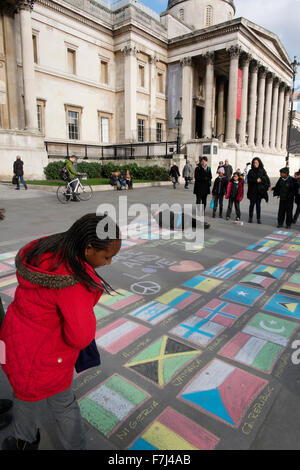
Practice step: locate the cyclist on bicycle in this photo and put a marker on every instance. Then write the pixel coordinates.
(73, 175)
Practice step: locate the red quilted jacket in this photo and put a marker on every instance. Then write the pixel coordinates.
(50, 320)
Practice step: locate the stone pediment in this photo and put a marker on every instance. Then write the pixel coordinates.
(269, 39)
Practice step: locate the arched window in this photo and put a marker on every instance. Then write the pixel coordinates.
(209, 16)
(181, 14)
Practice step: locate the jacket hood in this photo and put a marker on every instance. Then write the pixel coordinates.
(41, 276)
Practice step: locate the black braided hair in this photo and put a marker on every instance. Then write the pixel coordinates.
(69, 248)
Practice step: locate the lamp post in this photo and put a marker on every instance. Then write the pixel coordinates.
(294, 66)
(178, 120)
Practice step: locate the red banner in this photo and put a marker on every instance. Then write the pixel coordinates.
(239, 94)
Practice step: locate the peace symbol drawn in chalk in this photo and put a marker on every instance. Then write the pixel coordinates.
(145, 288)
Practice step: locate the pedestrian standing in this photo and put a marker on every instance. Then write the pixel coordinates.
(174, 173)
(228, 170)
(50, 321)
(221, 165)
(202, 184)
(285, 189)
(18, 170)
(297, 197)
(218, 192)
(246, 171)
(235, 194)
(187, 174)
(5, 405)
(258, 186)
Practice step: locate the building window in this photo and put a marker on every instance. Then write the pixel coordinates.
(73, 122)
(141, 130)
(181, 14)
(141, 76)
(104, 72)
(71, 56)
(158, 131)
(40, 109)
(209, 16)
(104, 123)
(35, 50)
(160, 79)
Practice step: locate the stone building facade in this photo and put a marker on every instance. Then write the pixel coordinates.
(91, 72)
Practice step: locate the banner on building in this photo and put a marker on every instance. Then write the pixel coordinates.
(239, 94)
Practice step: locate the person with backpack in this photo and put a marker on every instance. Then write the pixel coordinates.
(5, 405)
(49, 324)
(203, 177)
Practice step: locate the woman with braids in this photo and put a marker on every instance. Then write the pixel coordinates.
(50, 321)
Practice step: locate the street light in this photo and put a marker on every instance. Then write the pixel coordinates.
(178, 120)
(294, 66)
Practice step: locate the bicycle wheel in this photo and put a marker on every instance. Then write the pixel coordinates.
(63, 194)
(84, 191)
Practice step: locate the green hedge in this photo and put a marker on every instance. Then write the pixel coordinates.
(96, 170)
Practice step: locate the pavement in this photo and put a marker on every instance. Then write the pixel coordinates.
(197, 347)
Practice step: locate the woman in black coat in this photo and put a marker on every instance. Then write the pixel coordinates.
(258, 185)
(203, 179)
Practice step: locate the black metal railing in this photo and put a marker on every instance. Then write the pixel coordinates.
(132, 151)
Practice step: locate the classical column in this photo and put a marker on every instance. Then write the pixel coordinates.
(260, 106)
(244, 107)
(267, 114)
(220, 115)
(11, 65)
(278, 141)
(209, 87)
(187, 98)
(274, 114)
(234, 52)
(153, 88)
(24, 8)
(252, 104)
(285, 118)
(130, 85)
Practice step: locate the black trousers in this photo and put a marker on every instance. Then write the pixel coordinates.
(255, 203)
(285, 212)
(218, 200)
(297, 213)
(201, 200)
(236, 206)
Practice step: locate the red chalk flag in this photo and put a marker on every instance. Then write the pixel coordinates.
(239, 94)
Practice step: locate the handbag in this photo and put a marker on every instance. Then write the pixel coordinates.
(15, 179)
(212, 203)
(88, 358)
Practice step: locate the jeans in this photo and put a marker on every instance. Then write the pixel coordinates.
(22, 181)
(218, 199)
(66, 412)
(257, 204)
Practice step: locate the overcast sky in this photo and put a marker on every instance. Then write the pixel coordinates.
(282, 17)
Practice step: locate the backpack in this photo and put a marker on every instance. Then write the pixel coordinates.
(64, 175)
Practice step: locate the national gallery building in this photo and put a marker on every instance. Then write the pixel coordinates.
(96, 78)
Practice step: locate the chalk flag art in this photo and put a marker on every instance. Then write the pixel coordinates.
(292, 287)
(226, 269)
(119, 334)
(263, 246)
(160, 361)
(120, 299)
(260, 342)
(243, 295)
(280, 261)
(247, 255)
(174, 431)
(223, 391)
(203, 284)
(112, 402)
(257, 280)
(279, 235)
(208, 322)
(268, 271)
(153, 312)
(178, 298)
(289, 253)
(284, 305)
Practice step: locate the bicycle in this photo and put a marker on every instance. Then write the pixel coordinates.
(82, 190)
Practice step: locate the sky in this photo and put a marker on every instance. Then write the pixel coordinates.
(279, 16)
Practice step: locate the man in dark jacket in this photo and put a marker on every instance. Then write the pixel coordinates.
(19, 172)
(228, 170)
(258, 185)
(202, 184)
(5, 405)
(174, 173)
(285, 189)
